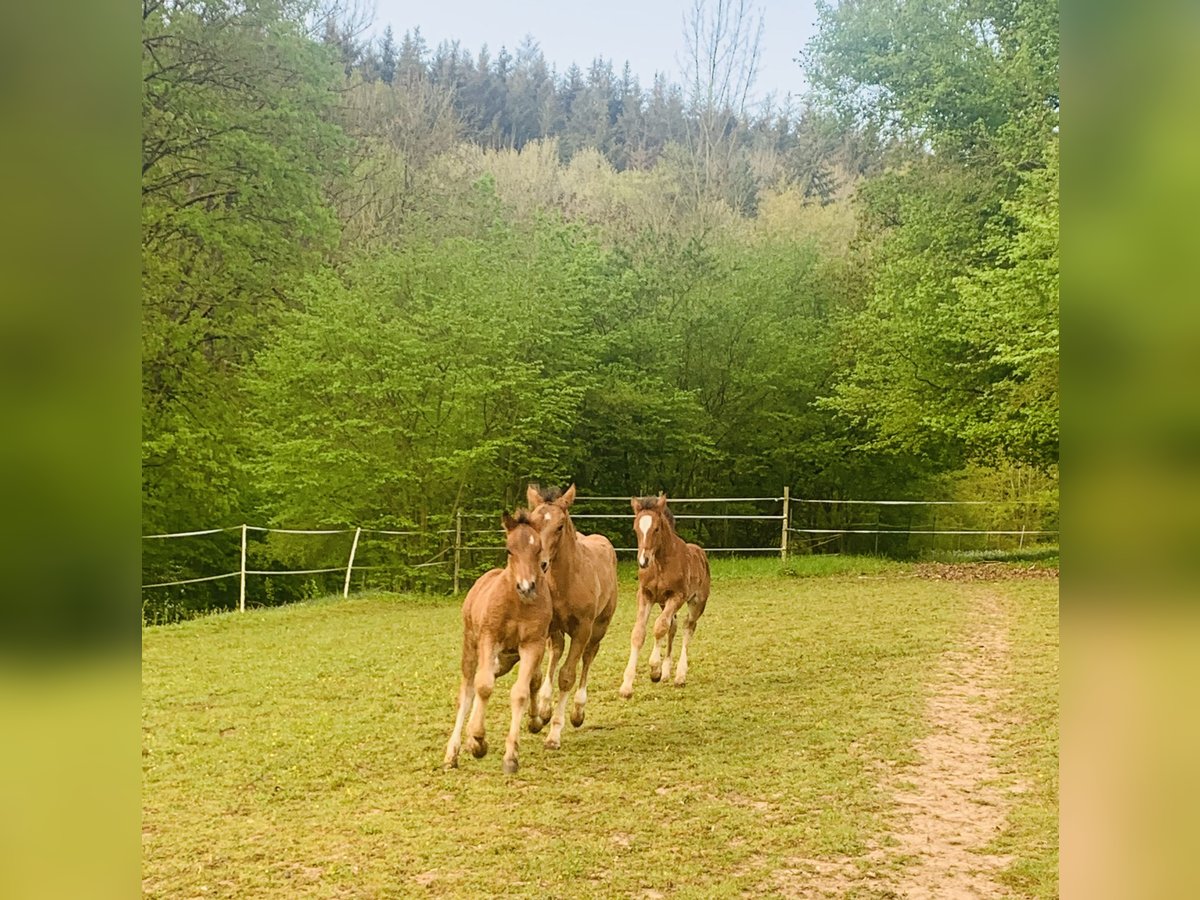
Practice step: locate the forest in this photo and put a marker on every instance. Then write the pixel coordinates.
(383, 281)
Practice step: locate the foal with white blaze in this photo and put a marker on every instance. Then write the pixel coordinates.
(671, 572)
(506, 618)
(583, 585)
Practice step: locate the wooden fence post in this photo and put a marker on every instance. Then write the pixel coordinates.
(242, 591)
(783, 533)
(350, 565)
(457, 546)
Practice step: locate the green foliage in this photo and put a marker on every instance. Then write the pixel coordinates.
(235, 145)
(382, 284)
(977, 80)
(953, 355)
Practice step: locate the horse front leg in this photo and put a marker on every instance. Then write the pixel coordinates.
(635, 643)
(581, 695)
(543, 702)
(566, 680)
(485, 682)
(660, 658)
(531, 658)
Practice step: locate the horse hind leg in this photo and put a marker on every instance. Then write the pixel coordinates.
(660, 663)
(689, 629)
(666, 660)
(466, 697)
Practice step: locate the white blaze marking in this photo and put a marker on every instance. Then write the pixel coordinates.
(547, 517)
(531, 540)
(643, 524)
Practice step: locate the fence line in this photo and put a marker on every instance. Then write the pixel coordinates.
(629, 515)
(300, 530)
(261, 528)
(192, 580)
(178, 534)
(906, 531)
(925, 502)
(459, 547)
(627, 498)
(292, 571)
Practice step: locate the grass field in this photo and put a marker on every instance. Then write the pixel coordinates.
(297, 751)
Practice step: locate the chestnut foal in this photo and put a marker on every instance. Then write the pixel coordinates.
(671, 572)
(506, 617)
(583, 585)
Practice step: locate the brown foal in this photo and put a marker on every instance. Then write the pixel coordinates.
(506, 618)
(583, 585)
(671, 572)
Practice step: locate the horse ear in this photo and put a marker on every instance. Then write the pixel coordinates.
(633, 501)
(533, 497)
(509, 522)
(569, 497)
(662, 501)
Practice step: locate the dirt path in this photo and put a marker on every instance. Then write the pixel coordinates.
(951, 804)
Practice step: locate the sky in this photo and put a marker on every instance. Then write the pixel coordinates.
(649, 33)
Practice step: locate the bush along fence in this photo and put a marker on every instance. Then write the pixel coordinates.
(279, 565)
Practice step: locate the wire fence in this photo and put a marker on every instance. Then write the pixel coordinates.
(453, 549)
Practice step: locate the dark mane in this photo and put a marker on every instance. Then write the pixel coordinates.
(522, 517)
(548, 494)
(652, 502)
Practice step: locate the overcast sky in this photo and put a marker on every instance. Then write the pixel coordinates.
(647, 33)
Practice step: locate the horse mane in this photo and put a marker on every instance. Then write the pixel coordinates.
(522, 516)
(651, 503)
(548, 494)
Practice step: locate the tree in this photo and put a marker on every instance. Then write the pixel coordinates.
(954, 351)
(236, 146)
(723, 43)
(387, 56)
(977, 81)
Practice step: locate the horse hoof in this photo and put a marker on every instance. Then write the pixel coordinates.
(450, 764)
(679, 683)
(536, 724)
(553, 743)
(625, 692)
(511, 766)
(656, 675)
(479, 748)
(577, 718)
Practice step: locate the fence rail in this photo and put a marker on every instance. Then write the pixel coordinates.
(464, 540)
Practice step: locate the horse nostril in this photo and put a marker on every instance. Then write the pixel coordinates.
(545, 566)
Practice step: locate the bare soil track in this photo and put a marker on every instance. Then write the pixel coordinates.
(951, 805)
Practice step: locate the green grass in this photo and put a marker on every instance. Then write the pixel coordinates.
(297, 750)
(1043, 554)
